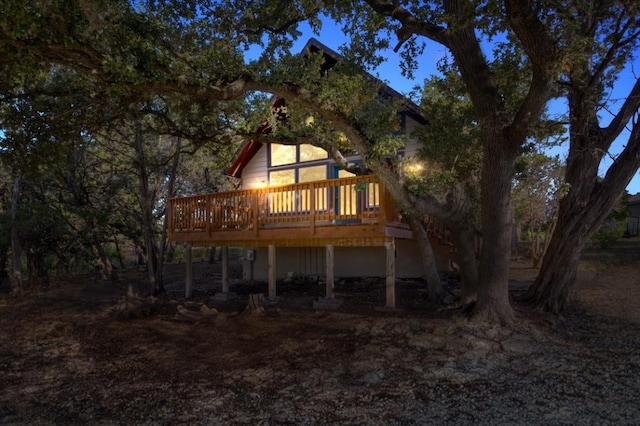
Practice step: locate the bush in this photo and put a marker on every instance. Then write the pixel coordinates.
(609, 233)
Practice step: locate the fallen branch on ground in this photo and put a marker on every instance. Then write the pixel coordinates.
(203, 314)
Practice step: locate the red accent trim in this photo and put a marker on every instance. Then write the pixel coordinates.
(251, 147)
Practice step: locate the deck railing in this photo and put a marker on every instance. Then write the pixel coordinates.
(359, 199)
(313, 205)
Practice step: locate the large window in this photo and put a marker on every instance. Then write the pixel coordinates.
(298, 200)
(297, 175)
(309, 174)
(289, 164)
(311, 153)
(282, 177)
(282, 155)
(351, 199)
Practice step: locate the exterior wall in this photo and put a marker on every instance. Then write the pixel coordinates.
(255, 174)
(412, 145)
(634, 208)
(349, 262)
(633, 223)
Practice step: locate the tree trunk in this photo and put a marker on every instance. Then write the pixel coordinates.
(493, 275)
(583, 210)
(553, 286)
(542, 244)
(37, 267)
(577, 221)
(109, 270)
(434, 286)
(146, 208)
(15, 242)
(4, 259)
(170, 193)
(464, 238)
(118, 252)
(255, 305)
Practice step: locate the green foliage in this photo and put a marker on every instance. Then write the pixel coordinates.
(609, 233)
(449, 152)
(613, 227)
(451, 136)
(537, 189)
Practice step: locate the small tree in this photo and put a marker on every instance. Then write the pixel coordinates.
(537, 190)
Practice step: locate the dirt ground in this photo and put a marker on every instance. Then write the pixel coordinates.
(67, 357)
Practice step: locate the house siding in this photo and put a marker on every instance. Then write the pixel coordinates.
(255, 173)
(412, 144)
(633, 223)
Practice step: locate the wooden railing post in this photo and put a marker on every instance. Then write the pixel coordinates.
(312, 208)
(382, 208)
(255, 205)
(207, 214)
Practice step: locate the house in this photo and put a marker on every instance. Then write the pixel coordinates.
(298, 213)
(633, 222)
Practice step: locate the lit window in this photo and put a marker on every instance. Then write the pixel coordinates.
(309, 174)
(282, 177)
(282, 154)
(348, 195)
(310, 153)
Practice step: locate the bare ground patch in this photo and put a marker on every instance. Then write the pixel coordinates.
(66, 359)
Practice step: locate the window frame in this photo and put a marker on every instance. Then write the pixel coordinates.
(297, 160)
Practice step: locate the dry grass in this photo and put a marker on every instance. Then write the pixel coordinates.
(65, 360)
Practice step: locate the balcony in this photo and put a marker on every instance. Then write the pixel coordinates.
(353, 211)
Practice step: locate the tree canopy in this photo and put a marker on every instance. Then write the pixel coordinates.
(70, 68)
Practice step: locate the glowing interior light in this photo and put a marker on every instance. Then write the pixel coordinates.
(414, 167)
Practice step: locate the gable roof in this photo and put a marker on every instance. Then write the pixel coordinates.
(251, 147)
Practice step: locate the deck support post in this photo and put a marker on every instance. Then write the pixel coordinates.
(329, 265)
(225, 294)
(272, 272)
(225, 269)
(391, 274)
(329, 301)
(189, 274)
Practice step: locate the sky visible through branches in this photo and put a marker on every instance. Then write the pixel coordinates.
(332, 36)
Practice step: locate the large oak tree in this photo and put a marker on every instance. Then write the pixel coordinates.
(196, 49)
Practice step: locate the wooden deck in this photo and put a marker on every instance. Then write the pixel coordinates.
(354, 211)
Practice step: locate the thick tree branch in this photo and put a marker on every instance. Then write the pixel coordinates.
(626, 164)
(473, 66)
(543, 53)
(410, 24)
(629, 108)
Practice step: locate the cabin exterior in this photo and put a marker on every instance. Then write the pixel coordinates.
(297, 213)
(633, 222)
